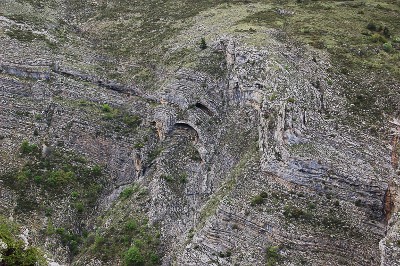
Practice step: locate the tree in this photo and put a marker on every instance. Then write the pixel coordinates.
(203, 44)
(133, 257)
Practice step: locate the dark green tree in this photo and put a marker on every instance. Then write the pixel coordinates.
(133, 257)
(203, 44)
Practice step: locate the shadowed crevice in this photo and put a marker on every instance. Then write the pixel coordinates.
(204, 108)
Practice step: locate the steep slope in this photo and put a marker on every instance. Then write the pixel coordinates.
(202, 132)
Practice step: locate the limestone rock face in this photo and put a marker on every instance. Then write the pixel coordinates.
(247, 152)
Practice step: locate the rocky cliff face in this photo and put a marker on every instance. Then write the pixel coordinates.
(126, 142)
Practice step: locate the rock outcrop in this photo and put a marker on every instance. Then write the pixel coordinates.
(246, 152)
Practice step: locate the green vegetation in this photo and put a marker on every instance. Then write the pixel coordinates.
(212, 64)
(113, 119)
(69, 239)
(29, 36)
(358, 203)
(366, 38)
(135, 242)
(388, 47)
(153, 154)
(130, 190)
(168, 178)
(203, 44)
(13, 250)
(133, 257)
(61, 174)
(132, 121)
(272, 255)
(27, 148)
(127, 192)
(359, 36)
(293, 212)
(258, 199)
(363, 42)
(106, 108)
(332, 220)
(24, 35)
(120, 120)
(138, 145)
(291, 100)
(180, 178)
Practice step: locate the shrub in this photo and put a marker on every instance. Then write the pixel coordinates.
(133, 257)
(131, 225)
(311, 206)
(23, 176)
(96, 170)
(272, 255)
(203, 44)
(13, 250)
(132, 121)
(127, 192)
(74, 194)
(106, 108)
(59, 177)
(273, 96)
(71, 240)
(333, 222)
(183, 178)
(386, 32)
(387, 47)
(168, 178)
(376, 37)
(27, 148)
(371, 26)
(358, 203)
(48, 212)
(154, 154)
(23, 35)
(195, 156)
(138, 145)
(292, 212)
(257, 200)
(155, 259)
(99, 241)
(79, 207)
